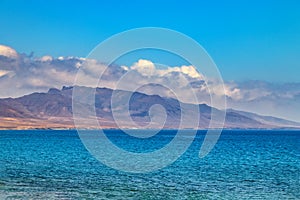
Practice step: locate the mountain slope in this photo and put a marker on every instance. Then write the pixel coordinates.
(54, 110)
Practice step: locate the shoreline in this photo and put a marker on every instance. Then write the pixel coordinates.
(167, 129)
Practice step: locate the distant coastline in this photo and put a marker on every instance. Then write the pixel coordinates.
(165, 129)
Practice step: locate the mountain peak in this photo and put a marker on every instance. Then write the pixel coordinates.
(67, 88)
(54, 91)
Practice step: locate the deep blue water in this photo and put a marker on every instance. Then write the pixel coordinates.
(242, 165)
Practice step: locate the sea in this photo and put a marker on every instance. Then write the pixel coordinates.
(244, 164)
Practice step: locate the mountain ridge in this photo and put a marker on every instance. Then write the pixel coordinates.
(53, 109)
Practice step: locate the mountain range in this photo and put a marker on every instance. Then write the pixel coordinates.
(53, 109)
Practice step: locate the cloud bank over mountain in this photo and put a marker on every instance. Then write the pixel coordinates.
(22, 74)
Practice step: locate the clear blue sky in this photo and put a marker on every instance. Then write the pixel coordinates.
(247, 39)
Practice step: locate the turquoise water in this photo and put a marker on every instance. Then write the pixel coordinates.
(243, 165)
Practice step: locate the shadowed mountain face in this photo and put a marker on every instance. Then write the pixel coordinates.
(54, 110)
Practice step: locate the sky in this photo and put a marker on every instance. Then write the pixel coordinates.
(248, 40)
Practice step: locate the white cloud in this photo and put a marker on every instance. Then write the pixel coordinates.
(191, 71)
(8, 52)
(45, 58)
(147, 67)
(6, 72)
(144, 67)
(25, 75)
